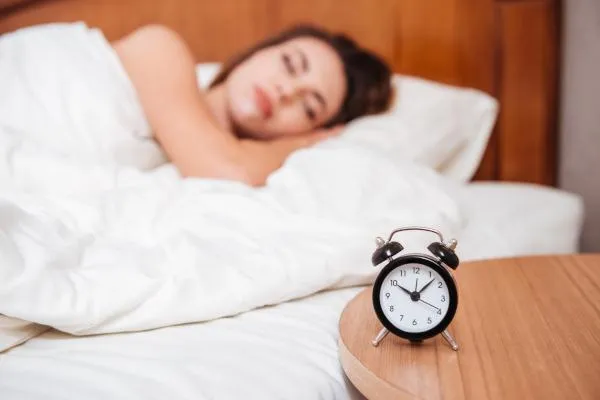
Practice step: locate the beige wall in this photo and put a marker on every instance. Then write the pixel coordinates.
(580, 111)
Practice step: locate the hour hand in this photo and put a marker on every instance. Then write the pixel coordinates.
(408, 292)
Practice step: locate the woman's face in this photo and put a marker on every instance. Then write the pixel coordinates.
(286, 89)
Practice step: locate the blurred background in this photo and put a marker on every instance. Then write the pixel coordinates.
(539, 58)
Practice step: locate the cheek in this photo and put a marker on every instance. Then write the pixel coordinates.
(257, 69)
(290, 120)
(242, 77)
(237, 82)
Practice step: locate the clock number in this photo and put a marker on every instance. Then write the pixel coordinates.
(430, 274)
(416, 270)
(402, 272)
(443, 298)
(414, 322)
(394, 282)
(439, 312)
(429, 320)
(391, 308)
(401, 317)
(387, 295)
(439, 284)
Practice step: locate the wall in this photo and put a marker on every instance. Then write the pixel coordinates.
(580, 111)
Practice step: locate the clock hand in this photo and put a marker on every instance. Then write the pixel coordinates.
(429, 304)
(406, 290)
(416, 284)
(425, 287)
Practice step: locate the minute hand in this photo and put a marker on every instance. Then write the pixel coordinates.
(425, 287)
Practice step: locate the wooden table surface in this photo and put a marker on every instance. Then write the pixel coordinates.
(528, 328)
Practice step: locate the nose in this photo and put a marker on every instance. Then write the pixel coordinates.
(287, 90)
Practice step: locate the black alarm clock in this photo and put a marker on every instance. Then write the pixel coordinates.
(414, 295)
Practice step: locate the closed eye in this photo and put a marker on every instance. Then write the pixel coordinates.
(310, 113)
(287, 61)
(314, 103)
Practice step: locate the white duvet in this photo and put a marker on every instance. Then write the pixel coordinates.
(92, 240)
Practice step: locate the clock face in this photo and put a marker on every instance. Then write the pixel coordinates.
(416, 299)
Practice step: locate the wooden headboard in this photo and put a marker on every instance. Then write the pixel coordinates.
(508, 48)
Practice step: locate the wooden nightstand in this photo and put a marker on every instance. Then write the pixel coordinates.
(528, 328)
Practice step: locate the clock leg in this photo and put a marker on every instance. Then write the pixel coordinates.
(450, 340)
(382, 333)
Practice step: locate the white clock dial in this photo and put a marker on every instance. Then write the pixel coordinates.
(414, 297)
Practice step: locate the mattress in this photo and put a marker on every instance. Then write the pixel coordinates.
(507, 219)
(287, 351)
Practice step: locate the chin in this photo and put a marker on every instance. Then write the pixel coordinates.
(243, 129)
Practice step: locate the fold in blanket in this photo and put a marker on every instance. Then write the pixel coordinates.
(14, 332)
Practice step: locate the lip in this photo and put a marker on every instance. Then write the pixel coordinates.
(263, 102)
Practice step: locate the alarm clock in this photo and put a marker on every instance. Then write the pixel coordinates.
(415, 295)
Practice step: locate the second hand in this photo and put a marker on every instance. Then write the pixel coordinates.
(429, 304)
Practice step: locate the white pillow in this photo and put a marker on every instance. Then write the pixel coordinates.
(441, 126)
(206, 72)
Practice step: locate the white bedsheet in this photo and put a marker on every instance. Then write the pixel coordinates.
(288, 351)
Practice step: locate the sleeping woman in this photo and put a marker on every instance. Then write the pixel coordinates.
(285, 93)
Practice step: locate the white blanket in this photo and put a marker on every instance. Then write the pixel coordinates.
(91, 244)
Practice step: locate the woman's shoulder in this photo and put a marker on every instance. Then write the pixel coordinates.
(160, 37)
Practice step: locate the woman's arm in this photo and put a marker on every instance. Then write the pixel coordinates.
(163, 72)
(268, 156)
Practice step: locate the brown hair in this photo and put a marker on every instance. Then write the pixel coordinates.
(367, 76)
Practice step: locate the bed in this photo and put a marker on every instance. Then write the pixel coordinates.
(507, 49)
(287, 351)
